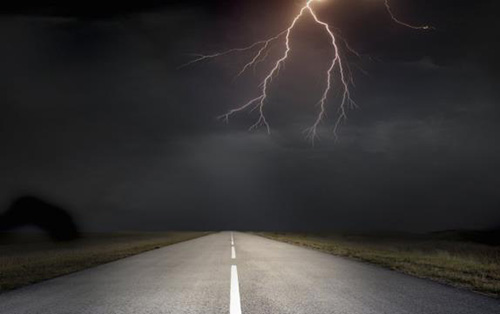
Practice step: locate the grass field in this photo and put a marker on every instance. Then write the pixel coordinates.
(447, 259)
(28, 258)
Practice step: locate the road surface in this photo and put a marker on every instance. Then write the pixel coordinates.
(241, 273)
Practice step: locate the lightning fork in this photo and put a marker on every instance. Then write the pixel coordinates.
(397, 20)
(336, 71)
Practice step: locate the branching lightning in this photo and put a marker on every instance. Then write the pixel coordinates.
(337, 71)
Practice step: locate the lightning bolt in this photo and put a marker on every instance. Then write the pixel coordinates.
(337, 71)
(397, 20)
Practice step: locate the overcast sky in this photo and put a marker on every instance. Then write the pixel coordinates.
(96, 115)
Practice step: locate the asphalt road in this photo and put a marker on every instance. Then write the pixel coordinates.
(256, 275)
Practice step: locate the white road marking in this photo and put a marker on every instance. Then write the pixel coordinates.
(233, 252)
(235, 303)
(232, 239)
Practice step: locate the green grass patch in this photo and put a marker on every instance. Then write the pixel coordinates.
(464, 264)
(28, 259)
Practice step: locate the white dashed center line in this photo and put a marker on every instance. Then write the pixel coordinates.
(235, 305)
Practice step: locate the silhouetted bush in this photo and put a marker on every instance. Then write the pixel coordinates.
(30, 210)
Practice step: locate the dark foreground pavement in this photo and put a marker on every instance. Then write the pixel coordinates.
(197, 277)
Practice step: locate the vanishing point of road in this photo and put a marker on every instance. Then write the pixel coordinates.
(241, 273)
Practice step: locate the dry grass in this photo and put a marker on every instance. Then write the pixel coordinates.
(468, 265)
(28, 259)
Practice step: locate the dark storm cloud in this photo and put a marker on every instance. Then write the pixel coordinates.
(95, 112)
